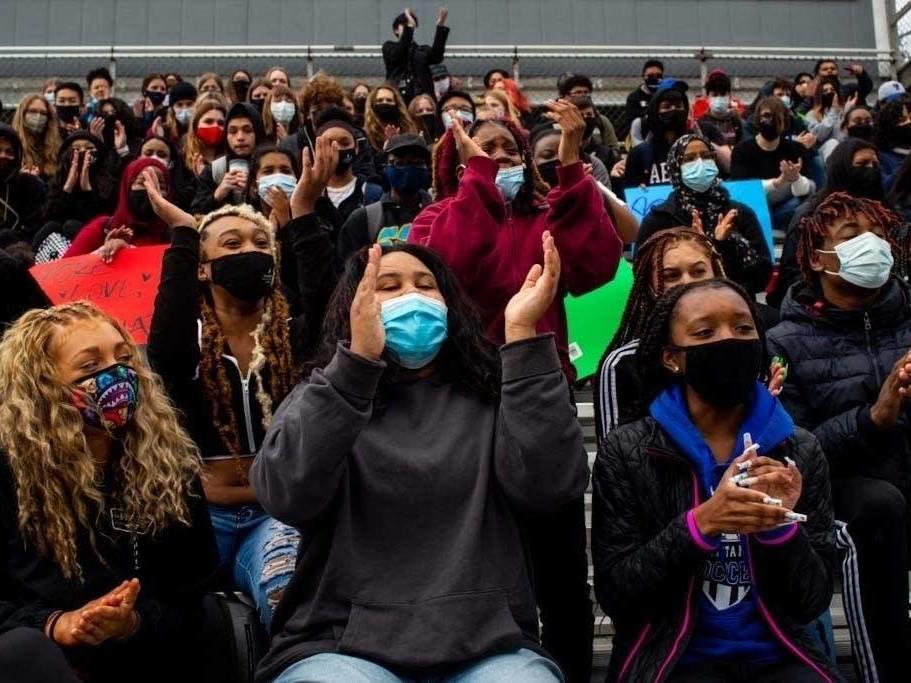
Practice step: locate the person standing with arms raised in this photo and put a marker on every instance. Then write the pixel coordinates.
(407, 63)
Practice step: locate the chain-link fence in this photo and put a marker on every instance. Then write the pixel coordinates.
(615, 71)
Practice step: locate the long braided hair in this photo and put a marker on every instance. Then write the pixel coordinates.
(815, 227)
(646, 291)
(657, 335)
(446, 166)
(272, 360)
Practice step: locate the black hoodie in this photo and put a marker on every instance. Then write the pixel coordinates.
(22, 196)
(80, 205)
(206, 184)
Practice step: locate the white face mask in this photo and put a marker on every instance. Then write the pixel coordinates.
(866, 261)
(282, 112)
(184, 116)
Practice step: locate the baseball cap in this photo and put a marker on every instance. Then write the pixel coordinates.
(890, 90)
(407, 141)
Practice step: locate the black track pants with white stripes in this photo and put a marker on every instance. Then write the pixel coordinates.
(873, 535)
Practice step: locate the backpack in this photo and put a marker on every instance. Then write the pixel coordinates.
(374, 220)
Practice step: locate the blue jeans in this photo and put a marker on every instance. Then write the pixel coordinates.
(522, 665)
(258, 551)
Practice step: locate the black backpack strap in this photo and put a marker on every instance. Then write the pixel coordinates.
(374, 220)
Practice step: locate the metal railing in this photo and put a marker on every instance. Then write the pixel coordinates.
(531, 59)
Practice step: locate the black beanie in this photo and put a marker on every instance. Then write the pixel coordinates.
(182, 91)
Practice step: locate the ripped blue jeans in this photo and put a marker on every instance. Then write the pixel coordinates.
(258, 551)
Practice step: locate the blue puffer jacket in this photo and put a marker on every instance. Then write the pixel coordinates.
(837, 362)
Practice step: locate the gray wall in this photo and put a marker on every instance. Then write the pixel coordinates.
(791, 23)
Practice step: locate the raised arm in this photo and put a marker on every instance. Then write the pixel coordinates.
(304, 456)
(540, 453)
(589, 245)
(173, 345)
(438, 50)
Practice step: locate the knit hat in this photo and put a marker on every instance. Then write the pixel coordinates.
(181, 91)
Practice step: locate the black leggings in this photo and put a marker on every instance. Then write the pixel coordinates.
(560, 568)
(29, 656)
(875, 574)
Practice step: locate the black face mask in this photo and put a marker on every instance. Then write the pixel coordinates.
(548, 171)
(345, 159)
(902, 136)
(67, 112)
(723, 373)
(247, 276)
(673, 121)
(866, 182)
(240, 89)
(651, 82)
(827, 99)
(258, 104)
(590, 125)
(155, 98)
(862, 131)
(768, 130)
(360, 103)
(387, 113)
(430, 123)
(140, 206)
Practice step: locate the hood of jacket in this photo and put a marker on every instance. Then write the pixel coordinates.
(9, 134)
(767, 423)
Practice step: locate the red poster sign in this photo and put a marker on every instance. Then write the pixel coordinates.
(125, 288)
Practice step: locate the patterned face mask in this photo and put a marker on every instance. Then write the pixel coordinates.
(107, 399)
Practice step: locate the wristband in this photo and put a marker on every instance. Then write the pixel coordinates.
(51, 623)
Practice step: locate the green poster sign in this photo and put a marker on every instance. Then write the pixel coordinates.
(593, 319)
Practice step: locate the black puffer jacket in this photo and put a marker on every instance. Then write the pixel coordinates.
(646, 562)
(837, 363)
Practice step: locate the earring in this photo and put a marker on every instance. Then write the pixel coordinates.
(676, 369)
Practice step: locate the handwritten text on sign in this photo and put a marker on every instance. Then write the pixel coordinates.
(124, 289)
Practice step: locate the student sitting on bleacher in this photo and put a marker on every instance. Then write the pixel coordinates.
(845, 336)
(106, 539)
(406, 458)
(708, 578)
(700, 200)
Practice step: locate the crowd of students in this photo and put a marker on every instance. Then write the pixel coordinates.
(356, 403)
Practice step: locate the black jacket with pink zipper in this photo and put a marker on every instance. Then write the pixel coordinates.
(647, 562)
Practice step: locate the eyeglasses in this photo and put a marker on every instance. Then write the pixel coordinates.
(457, 110)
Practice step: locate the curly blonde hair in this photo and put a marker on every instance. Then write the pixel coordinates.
(271, 345)
(373, 127)
(41, 434)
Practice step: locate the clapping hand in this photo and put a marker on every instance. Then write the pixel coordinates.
(316, 171)
(537, 294)
(572, 128)
(467, 147)
(368, 337)
(165, 210)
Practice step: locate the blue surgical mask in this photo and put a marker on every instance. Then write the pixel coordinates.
(720, 105)
(510, 181)
(407, 180)
(466, 116)
(416, 327)
(699, 175)
(786, 101)
(286, 183)
(866, 261)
